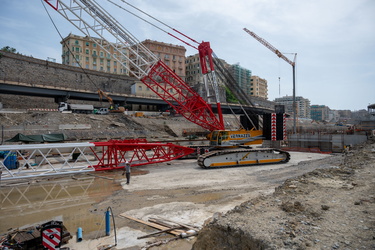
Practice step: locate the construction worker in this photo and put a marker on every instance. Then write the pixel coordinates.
(127, 172)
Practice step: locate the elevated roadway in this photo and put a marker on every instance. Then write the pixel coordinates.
(61, 94)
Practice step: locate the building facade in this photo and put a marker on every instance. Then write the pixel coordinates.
(258, 87)
(85, 52)
(242, 77)
(172, 55)
(320, 113)
(193, 70)
(302, 105)
(194, 78)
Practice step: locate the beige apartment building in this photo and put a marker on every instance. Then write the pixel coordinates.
(193, 70)
(85, 52)
(258, 87)
(172, 55)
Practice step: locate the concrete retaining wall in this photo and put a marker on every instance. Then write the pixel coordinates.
(325, 142)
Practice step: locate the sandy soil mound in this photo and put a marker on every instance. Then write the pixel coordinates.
(324, 209)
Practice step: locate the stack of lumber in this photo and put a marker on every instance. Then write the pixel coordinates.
(179, 230)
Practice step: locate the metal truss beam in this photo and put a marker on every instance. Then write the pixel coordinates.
(38, 160)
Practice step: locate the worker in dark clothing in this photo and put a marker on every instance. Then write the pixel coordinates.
(127, 172)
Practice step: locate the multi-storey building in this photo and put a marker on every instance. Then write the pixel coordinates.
(320, 113)
(242, 77)
(258, 87)
(194, 78)
(171, 55)
(86, 53)
(302, 105)
(193, 70)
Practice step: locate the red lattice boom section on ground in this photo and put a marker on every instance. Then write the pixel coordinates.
(115, 153)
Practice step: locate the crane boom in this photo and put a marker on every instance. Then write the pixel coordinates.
(93, 20)
(279, 54)
(269, 46)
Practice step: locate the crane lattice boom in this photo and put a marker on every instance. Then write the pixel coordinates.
(92, 20)
(268, 45)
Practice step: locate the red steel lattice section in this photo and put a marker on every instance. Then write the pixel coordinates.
(139, 152)
(172, 89)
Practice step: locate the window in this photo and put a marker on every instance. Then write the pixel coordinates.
(101, 54)
(94, 45)
(139, 87)
(87, 59)
(77, 42)
(87, 51)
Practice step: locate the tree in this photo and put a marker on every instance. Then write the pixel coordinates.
(9, 49)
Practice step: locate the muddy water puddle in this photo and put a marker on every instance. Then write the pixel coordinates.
(67, 199)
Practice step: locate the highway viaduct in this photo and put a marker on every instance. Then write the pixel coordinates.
(26, 76)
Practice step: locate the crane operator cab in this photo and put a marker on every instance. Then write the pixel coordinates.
(227, 138)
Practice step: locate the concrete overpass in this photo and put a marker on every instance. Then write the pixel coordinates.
(62, 93)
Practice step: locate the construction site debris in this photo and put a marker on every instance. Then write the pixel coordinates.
(179, 230)
(30, 237)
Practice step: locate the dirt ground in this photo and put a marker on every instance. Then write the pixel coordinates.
(329, 208)
(316, 201)
(183, 192)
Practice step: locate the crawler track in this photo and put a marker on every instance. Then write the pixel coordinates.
(242, 157)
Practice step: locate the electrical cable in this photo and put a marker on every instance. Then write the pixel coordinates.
(114, 224)
(175, 30)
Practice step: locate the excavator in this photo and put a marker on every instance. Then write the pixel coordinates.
(227, 148)
(113, 108)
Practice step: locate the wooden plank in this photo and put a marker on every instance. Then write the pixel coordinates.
(154, 225)
(192, 227)
(156, 233)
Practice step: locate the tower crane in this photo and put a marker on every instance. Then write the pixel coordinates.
(292, 63)
(229, 148)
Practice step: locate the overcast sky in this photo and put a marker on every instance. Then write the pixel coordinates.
(334, 39)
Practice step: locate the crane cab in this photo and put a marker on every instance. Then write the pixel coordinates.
(227, 138)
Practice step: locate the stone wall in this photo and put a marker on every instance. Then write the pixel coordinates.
(29, 70)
